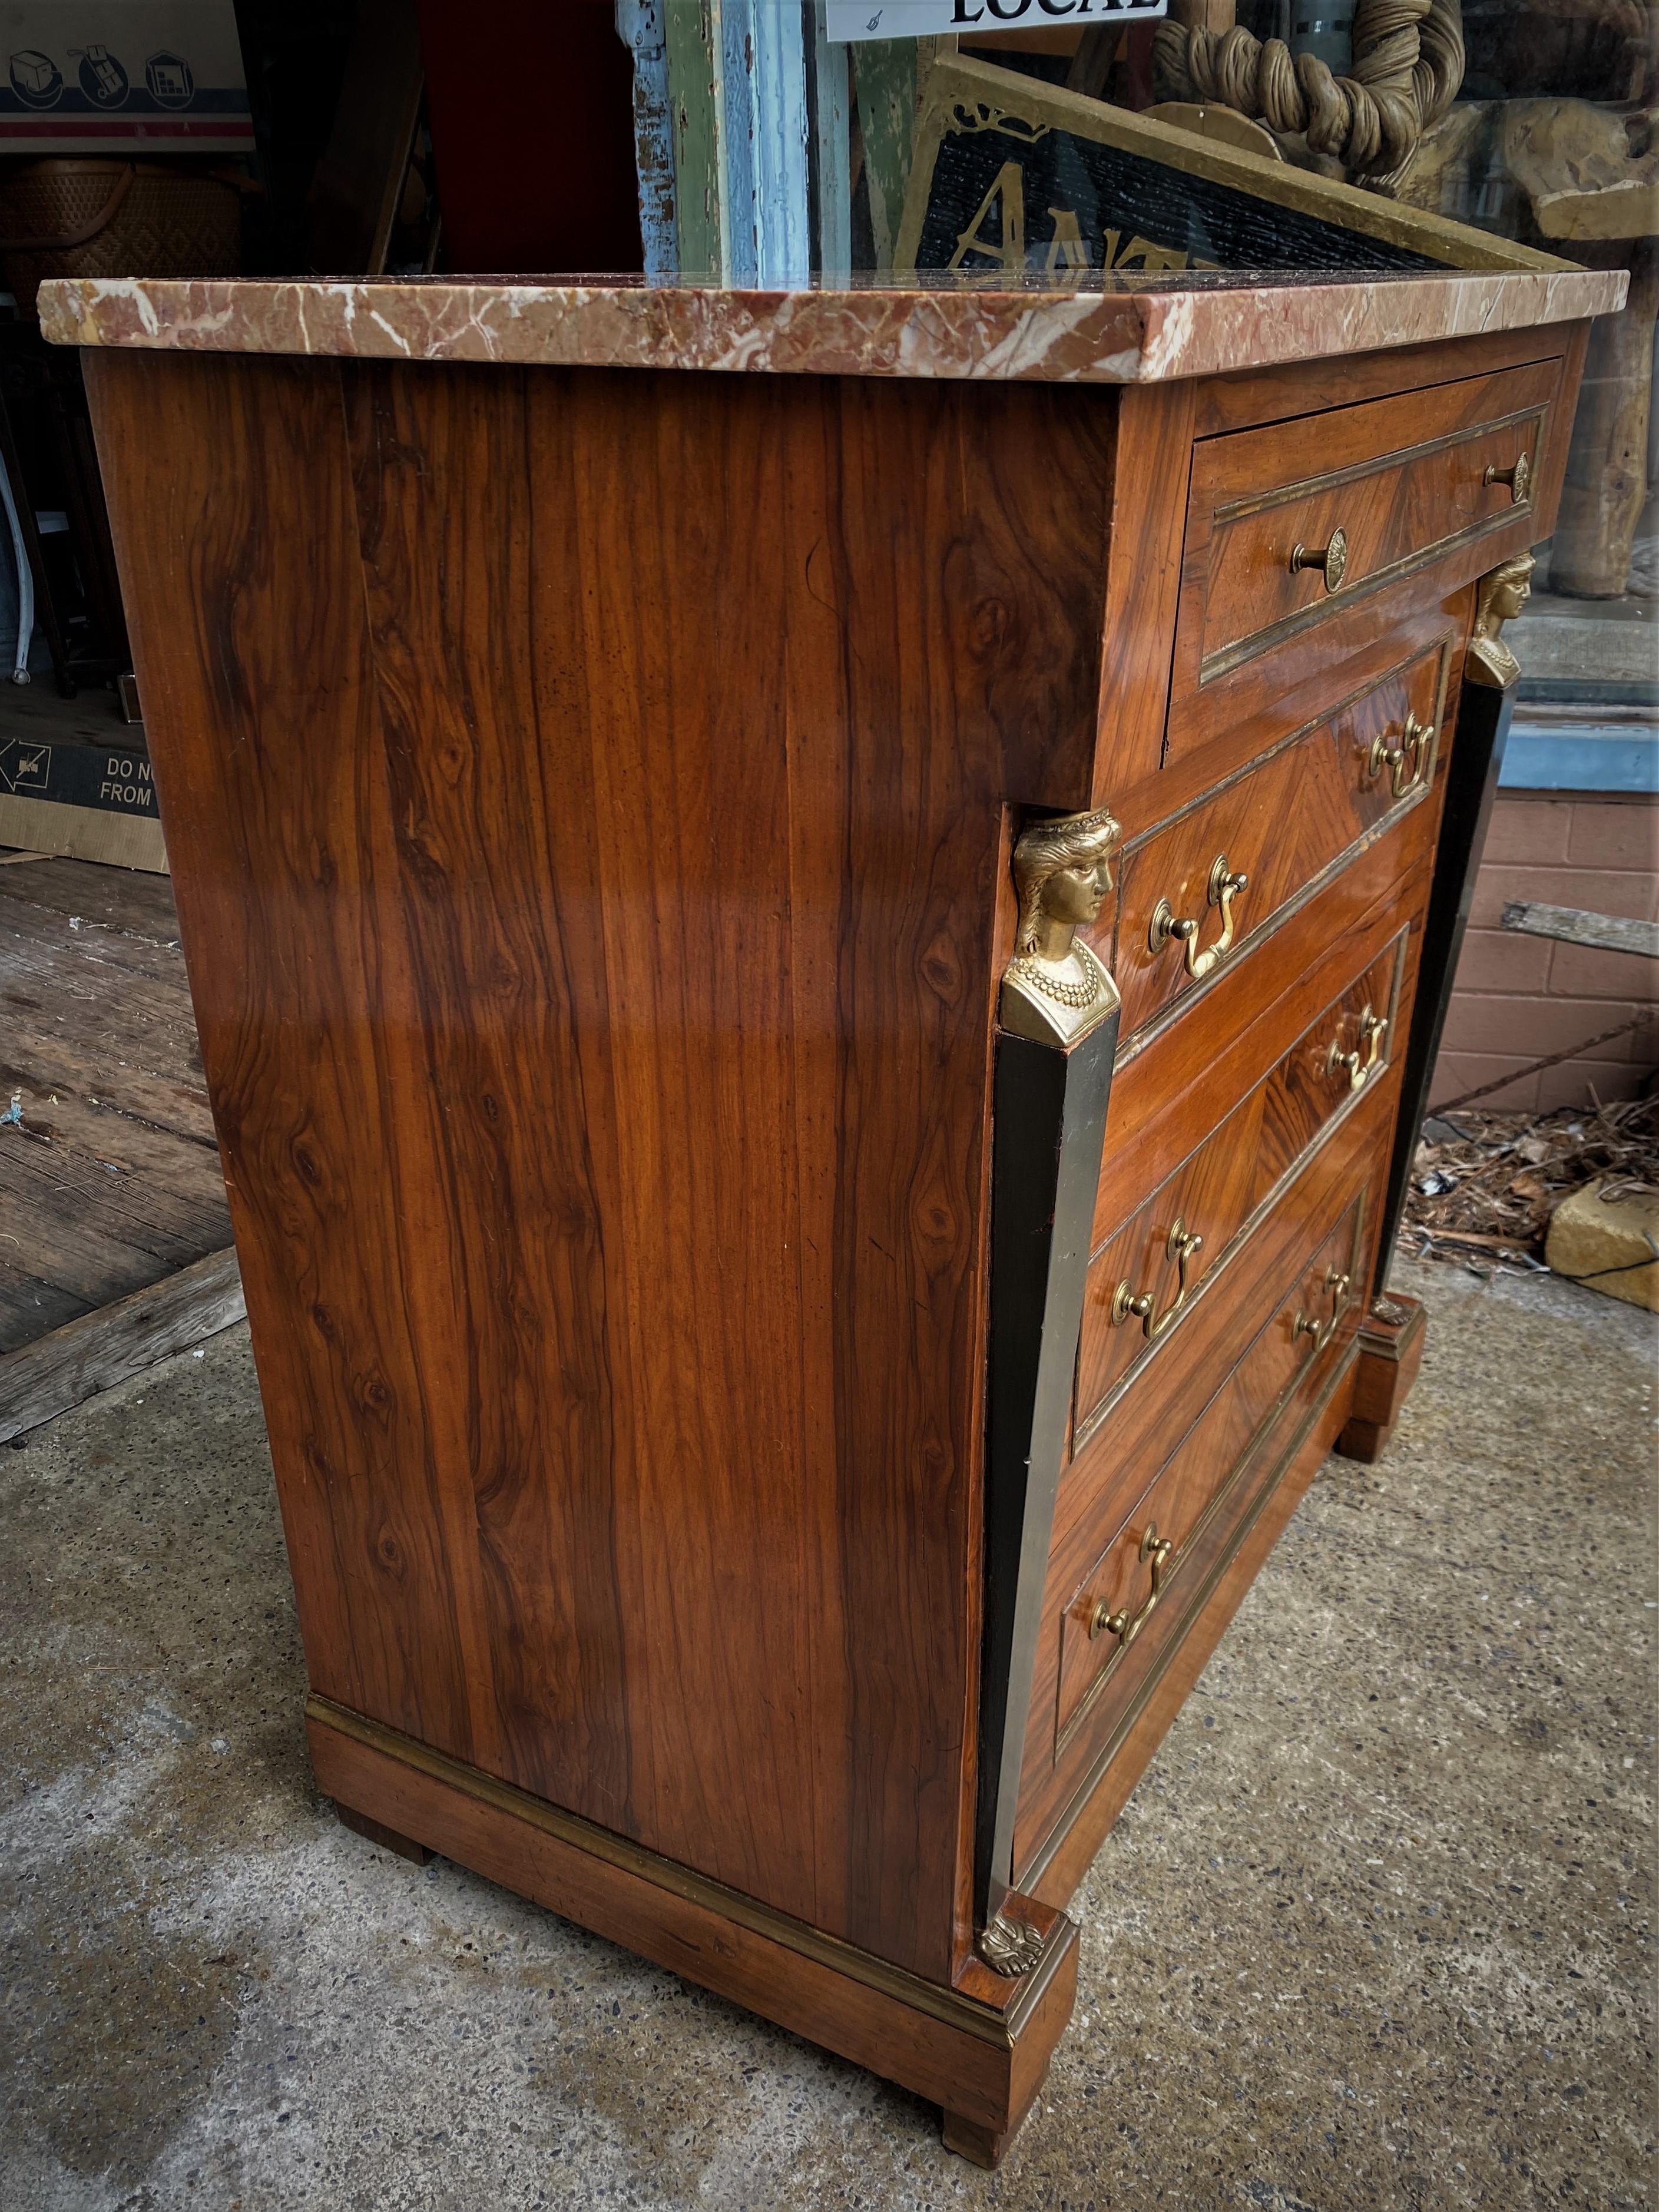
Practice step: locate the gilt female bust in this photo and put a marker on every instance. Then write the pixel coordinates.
(1504, 592)
(1054, 989)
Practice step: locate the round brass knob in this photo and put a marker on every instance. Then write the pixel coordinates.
(1518, 478)
(1331, 560)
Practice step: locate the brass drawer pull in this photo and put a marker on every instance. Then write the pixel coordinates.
(1122, 1624)
(1407, 760)
(1518, 478)
(1182, 1246)
(1225, 887)
(1331, 560)
(1310, 1326)
(1373, 1028)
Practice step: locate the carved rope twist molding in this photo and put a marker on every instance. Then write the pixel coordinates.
(1407, 66)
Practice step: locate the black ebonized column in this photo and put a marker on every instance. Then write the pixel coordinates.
(1483, 729)
(1050, 1124)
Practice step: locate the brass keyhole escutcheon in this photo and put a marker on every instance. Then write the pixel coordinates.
(1406, 761)
(1154, 1551)
(1360, 1067)
(1517, 476)
(1224, 887)
(1183, 1245)
(1331, 559)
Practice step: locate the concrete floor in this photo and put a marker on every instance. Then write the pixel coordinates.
(1370, 1934)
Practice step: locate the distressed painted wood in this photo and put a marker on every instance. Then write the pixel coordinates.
(694, 73)
(642, 25)
(830, 96)
(1603, 932)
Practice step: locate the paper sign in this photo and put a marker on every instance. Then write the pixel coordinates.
(924, 18)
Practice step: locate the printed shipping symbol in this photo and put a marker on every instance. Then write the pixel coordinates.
(24, 768)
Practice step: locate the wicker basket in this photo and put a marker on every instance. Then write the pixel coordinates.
(71, 218)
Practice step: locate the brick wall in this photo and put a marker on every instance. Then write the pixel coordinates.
(1517, 997)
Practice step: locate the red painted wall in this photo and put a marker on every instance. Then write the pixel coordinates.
(531, 104)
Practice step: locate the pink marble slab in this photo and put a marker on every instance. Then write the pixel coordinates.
(1132, 332)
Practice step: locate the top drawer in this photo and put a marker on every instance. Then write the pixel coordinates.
(1288, 524)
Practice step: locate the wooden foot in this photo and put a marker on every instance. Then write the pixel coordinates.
(979, 2144)
(1390, 1354)
(377, 1832)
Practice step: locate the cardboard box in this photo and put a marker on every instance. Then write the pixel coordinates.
(85, 798)
(122, 76)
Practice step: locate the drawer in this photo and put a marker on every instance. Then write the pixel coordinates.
(1288, 524)
(1150, 1276)
(1208, 1445)
(1196, 890)
(1147, 1561)
(1167, 1097)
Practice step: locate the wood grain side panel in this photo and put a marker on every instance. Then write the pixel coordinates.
(590, 794)
(951, 561)
(497, 883)
(736, 1738)
(230, 491)
(1143, 580)
(1552, 466)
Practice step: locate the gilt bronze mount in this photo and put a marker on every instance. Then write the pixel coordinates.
(1054, 990)
(1504, 591)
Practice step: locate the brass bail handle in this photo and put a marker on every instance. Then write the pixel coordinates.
(1183, 1245)
(1310, 1325)
(1373, 1028)
(1330, 559)
(1224, 886)
(1154, 1551)
(1406, 761)
(1517, 476)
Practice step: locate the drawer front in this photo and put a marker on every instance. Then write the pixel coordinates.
(1151, 1276)
(1289, 524)
(1196, 890)
(1148, 1562)
(1195, 1461)
(1167, 1098)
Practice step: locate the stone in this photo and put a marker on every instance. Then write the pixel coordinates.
(1610, 1244)
(1206, 324)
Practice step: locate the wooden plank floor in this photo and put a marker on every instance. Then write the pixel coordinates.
(109, 1175)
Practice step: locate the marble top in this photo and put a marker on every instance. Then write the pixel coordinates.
(1109, 330)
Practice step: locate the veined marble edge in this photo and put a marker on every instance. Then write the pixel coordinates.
(1083, 337)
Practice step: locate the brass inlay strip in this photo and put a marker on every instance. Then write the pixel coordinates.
(952, 2007)
(1034, 1868)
